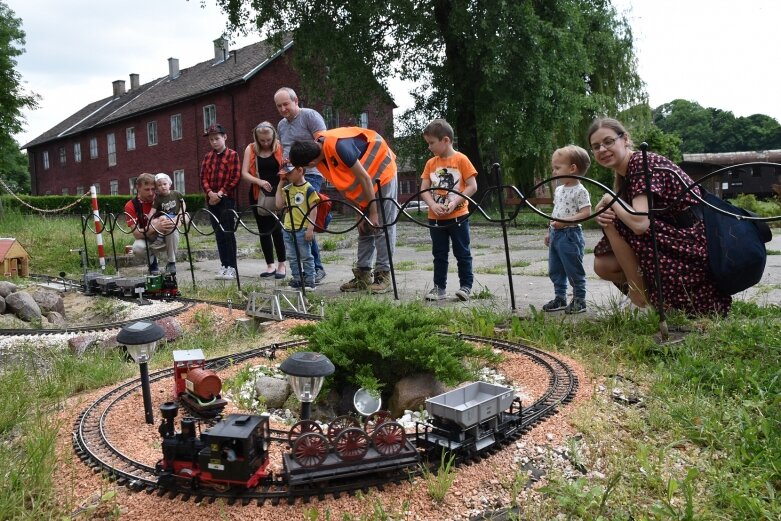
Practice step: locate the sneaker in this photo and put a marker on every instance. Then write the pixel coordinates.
(220, 273)
(309, 285)
(556, 304)
(230, 273)
(436, 293)
(294, 284)
(575, 306)
(463, 293)
(170, 268)
(319, 275)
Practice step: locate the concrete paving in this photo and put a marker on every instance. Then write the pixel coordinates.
(414, 269)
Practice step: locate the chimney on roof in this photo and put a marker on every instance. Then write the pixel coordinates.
(220, 50)
(119, 87)
(173, 68)
(133, 81)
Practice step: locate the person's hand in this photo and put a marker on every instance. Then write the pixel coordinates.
(265, 185)
(606, 218)
(213, 198)
(547, 239)
(163, 224)
(441, 209)
(309, 234)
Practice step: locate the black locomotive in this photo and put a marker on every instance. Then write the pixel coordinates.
(162, 286)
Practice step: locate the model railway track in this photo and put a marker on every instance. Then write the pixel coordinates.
(93, 444)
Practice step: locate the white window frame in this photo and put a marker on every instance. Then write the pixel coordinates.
(77, 152)
(363, 120)
(97, 187)
(114, 187)
(65, 191)
(176, 127)
(93, 148)
(151, 133)
(132, 183)
(111, 148)
(63, 156)
(179, 180)
(209, 116)
(130, 135)
(79, 190)
(45, 159)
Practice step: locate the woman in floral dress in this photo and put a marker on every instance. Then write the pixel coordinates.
(625, 255)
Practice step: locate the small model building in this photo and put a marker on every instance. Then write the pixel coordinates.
(15, 259)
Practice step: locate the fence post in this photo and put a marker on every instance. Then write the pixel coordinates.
(498, 177)
(98, 227)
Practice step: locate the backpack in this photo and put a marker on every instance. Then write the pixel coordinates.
(324, 216)
(736, 247)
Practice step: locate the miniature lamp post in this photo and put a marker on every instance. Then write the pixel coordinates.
(141, 338)
(306, 371)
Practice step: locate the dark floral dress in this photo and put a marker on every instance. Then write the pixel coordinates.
(681, 244)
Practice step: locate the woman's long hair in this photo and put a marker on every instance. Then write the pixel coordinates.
(265, 127)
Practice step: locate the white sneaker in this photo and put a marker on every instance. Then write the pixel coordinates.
(220, 273)
(230, 273)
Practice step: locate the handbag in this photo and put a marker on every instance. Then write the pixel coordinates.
(736, 247)
(267, 204)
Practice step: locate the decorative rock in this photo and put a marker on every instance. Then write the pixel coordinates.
(411, 392)
(2, 305)
(6, 288)
(110, 343)
(79, 345)
(23, 306)
(11, 322)
(274, 390)
(172, 328)
(49, 301)
(55, 319)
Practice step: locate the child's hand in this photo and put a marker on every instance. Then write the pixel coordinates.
(309, 234)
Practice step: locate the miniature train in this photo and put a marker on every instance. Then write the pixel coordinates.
(234, 452)
(162, 286)
(195, 386)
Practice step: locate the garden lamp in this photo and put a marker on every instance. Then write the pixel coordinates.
(306, 372)
(140, 339)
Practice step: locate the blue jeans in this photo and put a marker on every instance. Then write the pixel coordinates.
(565, 261)
(300, 250)
(457, 231)
(316, 181)
(224, 225)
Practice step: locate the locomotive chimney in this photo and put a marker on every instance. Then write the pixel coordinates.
(168, 411)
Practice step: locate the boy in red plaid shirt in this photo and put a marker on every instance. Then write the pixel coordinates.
(220, 173)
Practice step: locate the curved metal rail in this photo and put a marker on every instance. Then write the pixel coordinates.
(91, 439)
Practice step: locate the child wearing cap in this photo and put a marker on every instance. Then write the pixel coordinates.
(171, 203)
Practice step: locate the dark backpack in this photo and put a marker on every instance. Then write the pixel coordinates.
(736, 247)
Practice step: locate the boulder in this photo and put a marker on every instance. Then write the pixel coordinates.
(2, 305)
(55, 319)
(412, 391)
(23, 306)
(11, 322)
(172, 328)
(273, 390)
(49, 301)
(79, 345)
(6, 288)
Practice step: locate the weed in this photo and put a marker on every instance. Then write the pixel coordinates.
(327, 244)
(107, 309)
(439, 483)
(404, 265)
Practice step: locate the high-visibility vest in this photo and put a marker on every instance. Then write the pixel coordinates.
(379, 161)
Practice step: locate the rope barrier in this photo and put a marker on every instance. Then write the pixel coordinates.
(42, 210)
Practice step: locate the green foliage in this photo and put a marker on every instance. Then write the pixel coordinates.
(771, 208)
(580, 498)
(375, 340)
(439, 482)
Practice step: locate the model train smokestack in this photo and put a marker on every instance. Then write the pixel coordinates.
(168, 410)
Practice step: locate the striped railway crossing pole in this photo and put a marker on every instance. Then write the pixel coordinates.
(98, 227)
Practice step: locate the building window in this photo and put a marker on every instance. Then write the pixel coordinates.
(64, 191)
(111, 147)
(97, 187)
(363, 120)
(79, 190)
(330, 116)
(151, 133)
(93, 148)
(209, 116)
(179, 180)
(77, 152)
(114, 187)
(45, 159)
(176, 127)
(63, 157)
(131, 138)
(132, 182)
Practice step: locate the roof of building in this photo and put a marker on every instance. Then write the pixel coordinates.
(734, 158)
(7, 244)
(192, 82)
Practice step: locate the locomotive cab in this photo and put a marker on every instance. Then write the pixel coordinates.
(236, 449)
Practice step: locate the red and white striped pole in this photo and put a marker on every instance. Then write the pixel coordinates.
(98, 227)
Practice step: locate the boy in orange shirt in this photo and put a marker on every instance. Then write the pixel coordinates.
(448, 213)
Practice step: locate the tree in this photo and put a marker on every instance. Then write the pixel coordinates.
(12, 97)
(515, 78)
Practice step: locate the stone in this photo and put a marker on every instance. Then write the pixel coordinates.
(172, 328)
(55, 319)
(49, 301)
(273, 390)
(2, 305)
(12, 322)
(79, 345)
(412, 391)
(23, 306)
(6, 288)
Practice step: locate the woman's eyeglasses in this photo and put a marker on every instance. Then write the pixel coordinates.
(606, 143)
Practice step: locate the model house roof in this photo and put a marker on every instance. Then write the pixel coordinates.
(11, 248)
(225, 69)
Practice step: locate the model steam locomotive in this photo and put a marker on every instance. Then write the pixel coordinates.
(162, 286)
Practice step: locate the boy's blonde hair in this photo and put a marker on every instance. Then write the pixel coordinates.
(576, 156)
(439, 128)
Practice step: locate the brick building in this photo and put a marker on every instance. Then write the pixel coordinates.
(158, 126)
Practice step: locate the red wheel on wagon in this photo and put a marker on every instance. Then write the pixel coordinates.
(389, 438)
(310, 449)
(302, 427)
(352, 444)
(376, 419)
(339, 424)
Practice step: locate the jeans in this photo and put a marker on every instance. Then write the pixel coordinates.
(373, 242)
(300, 250)
(457, 231)
(565, 261)
(224, 218)
(316, 181)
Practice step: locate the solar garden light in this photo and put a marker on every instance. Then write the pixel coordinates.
(306, 372)
(140, 339)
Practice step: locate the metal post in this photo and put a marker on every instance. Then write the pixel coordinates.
(295, 242)
(498, 177)
(306, 410)
(146, 392)
(387, 238)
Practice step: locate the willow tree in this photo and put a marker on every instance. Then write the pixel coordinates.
(516, 78)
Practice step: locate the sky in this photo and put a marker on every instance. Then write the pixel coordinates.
(719, 53)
